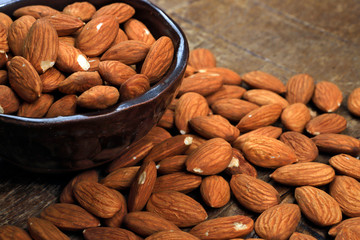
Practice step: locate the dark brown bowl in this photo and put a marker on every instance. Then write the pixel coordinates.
(86, 140)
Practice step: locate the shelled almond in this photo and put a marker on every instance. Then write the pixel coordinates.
(68, 52)
(212, 151)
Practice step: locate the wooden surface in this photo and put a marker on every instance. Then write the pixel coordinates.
(281, 37)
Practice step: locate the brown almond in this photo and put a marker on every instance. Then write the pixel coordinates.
(137, 30)
(253, 193)
(71, 59)
(352, 232)
(121, 11)
(81, 10)
(69, 217)
(353, 102)
(179, 181)
(4, 44)
(108, 233)
(115, 72)
(158, 59)
(215, 191)
(239, 164)
(9, 102)
(98, 97)
(301, 236)
(8, 232)
(4, 58)
(37, 11)
(268, 152)
(142, 186)
(327, 96)
(264, 97)
(177, 208)
(121, 178)
(69, 40)
(44, 229)
(318, 206)
(37, 109)
(51, 80)
(18, 31)
(304, 148)
(300, 88)
(304, 174)
(94, 64)
(118, 218)
(337, 143)
(295, 117)
(134, 86)
(346, 191)
(210, 158)
(226, 92)
(65, 24)
(326, 123)
(197, 141)
(229, 76)
(3, 77)
(202, 83)
(171, 164)
(200, 58)
(260, 117)
(79, 82)
(171, 235)
(167, 119)
(262, 80)
(65, 106)
(346, 164)
(344, 224)
(120, 37)
(128, 52)
(278, 222)
(6, 20)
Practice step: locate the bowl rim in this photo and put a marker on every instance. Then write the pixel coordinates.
(177, 68)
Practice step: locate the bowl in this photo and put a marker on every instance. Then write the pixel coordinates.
(83, 141)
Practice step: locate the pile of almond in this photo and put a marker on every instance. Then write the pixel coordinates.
(56, 63)
(208, 148)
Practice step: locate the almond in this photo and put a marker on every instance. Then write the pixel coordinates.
(300, 88)
(115, 72)
(327, 96)
(337, 143)
(69, 217)
(229, 76)
(94, 64)
(98, 97)
(301, 236)
(167, 120)
(134, 86)
(146, 223)
(171, 164)
(171, 235)
(98, 199)
(202, 58)
(304, 174)
(65, 24)
(4, 45)
(346, 164)
(264, 97)
(118, 218)
(3, 77)
(82, 10)
(6, 20)
(51, 80)
(44, 229)
(353, 102)
(121, 178)
(344, 224)
(158, 59)
(278, 222)
(37, 109)
(202, 83)
(43, 34)
(69, 40)
(318, 206)
(197, 141)
(136, 30)
(24, 79)
(4, 58)
(326, 123)
(295, 117)
(346, 191)
(260, 117)
(268, 152)
(254, 194)
(18, 31)
(178, 181)
(177, 208)
(97, 35)
(65, 106)
(128, 52)
(190, 105)
(304, 148)
(239, 164)
(13, 232)
(121, 11)
(214, 126)
(79, 82)
(215, 191)
(71, 59)
(226, 92)
(37, 11)
(210, 158)
(120, 37)
(108, 233)
(142, 186)
(262, 80)
(9, 102)
(352, 232)
(223, 227)
(189, 70)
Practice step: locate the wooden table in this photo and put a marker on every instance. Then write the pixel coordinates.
(281, 37)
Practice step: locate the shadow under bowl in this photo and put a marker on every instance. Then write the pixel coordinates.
(83, 141)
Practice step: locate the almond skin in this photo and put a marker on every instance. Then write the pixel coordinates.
(171, 164)
(295, 117)
(210, 158)
(326, 123)
(337, 143)
(353, 102)
(80, 82)
(268, 152)
(229, 76)
(134, 86)
(37, 11)
(128, 52)
(278, 222)
(327, 96)
(178, 181)
(43, 34)
(301, 236)
(121, 178)
(304, 148)
(115, 72)
(121, 11)
(264, 97)
(352, 232)
(13, 232)
(239, 164)
(38, 108)
(344, 224)
(18, 31)
(253, 193)
(346, 164)
(71, 59)
(202, 83)
(3, 77)
(223, 227)
(108, 233)
(262, 80)
(65, 24)
(300, 88)
(226, 92)
(167, 119)
(118, 218)
(215, 191)
(9, 102)
(136, 30)
(346, 191)
(43, 229)
(51, 79)
(201, 58)
(4, 44)
(171, 235)
(158, 59)
(82, 10)
(176, 207)
(98, 97)
(318, 206)
(304, 174)
(65, 106)
(24, 79)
